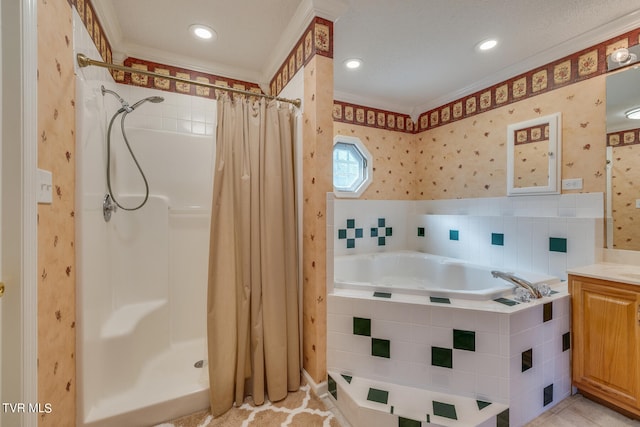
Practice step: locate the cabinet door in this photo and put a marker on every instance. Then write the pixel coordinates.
(606, 339)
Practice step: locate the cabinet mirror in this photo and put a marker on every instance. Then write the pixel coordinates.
(534, 155)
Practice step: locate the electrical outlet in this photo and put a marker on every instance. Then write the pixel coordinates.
(572, 184)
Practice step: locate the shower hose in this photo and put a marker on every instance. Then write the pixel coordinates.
(124, 113)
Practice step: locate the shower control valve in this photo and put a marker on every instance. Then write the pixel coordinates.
(108, 207)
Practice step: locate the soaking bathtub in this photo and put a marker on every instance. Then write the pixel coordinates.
(420, 273)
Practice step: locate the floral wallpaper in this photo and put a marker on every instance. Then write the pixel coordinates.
(394, 161)
(577, 67)
(317, 128)
(468, 158)
(56, 233)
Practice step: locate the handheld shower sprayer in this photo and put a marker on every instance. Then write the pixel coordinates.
(153, 99)
(108, 208)
(125, 105)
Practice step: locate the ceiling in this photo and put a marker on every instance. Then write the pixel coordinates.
(417, 54)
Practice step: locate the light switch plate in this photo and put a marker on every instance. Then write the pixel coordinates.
(637, 203)
(572, 184)
(45, 186)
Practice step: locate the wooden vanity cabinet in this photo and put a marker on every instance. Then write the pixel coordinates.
(606, 341)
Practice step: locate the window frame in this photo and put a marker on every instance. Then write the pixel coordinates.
(367, 168)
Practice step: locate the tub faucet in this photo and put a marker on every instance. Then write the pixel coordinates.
(518, 281)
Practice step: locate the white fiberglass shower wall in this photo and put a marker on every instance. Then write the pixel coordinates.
(142, 276)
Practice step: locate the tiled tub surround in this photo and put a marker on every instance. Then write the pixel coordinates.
(544, 234)
(473, 352)
(404, 360)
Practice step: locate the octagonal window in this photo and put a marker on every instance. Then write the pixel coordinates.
(352, 170)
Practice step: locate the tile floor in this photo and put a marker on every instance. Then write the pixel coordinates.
(575, 411)
(579, 411)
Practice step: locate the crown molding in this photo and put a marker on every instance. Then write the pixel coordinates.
(107, 16)
(593, 37)
(331, 10)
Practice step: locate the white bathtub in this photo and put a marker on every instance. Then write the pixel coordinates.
(425, 274)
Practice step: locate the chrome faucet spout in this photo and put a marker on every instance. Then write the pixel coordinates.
(518, 281)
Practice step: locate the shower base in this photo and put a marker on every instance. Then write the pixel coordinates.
(168, 387)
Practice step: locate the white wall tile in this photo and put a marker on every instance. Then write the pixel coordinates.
(340, 323)
(421, 334)
(441, 337)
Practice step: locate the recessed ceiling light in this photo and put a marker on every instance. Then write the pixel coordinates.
(487, 44)
(633, 114)
(203, 32)
(353, 63)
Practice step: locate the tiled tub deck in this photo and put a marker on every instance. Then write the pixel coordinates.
(409, 360)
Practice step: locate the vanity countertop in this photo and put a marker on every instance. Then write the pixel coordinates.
(624, 273)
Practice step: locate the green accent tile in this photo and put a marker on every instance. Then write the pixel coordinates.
(464, 340)
(557, 244)
(547, 395)
(381, 222)
(342, 233)
(497, 239)
(444, 410)
(351, 223)
(382, 294)
(333, 387)
(347, 378)
(388, 231)
(454, 235)
(547, 312)
(391, 410)
(482, 404)
(351, 243)
(502, 420)
(527, 360)
(380, 396)
(442, 357)
(420, 231)
(381, 241)
(407, 422)
(361, 326)
(440, 300)
(428, 418)
(358, 233)
(566, 341)
(505, 301)
(381, 348)
(374, 232)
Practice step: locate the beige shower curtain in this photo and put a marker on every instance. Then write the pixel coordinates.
(252, 307)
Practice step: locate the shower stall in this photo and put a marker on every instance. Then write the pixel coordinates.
(142, 275)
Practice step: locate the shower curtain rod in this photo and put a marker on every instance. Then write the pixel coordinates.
(85, 61)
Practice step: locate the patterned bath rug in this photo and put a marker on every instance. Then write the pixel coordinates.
(301, 408)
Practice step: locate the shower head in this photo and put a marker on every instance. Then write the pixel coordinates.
(125, 104)
(154, 99)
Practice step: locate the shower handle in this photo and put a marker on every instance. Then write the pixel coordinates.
(108, 207)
